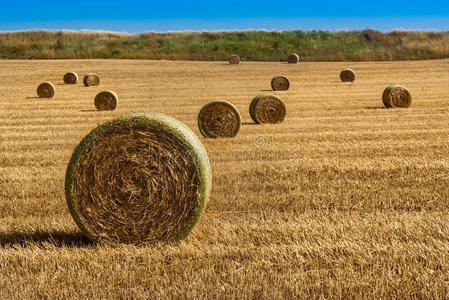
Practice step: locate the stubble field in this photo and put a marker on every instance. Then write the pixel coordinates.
(344, 198)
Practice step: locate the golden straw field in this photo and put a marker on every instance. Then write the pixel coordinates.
(343, 199)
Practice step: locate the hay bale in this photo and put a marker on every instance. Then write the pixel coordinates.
(267, 108)
(70, 78)
(347, 75)
(280, 83)
(234, 60)
(106, 100)
(293, 58)
(219, 119)
(396, 96)
(46, 90)
(143, 177)
(91, 79)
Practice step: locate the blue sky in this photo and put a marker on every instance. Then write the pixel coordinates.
(140, 16)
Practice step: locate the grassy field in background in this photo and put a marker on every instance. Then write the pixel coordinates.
(367, 45)
(344, 199)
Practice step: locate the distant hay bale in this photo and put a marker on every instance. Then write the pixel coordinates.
(234, 60)
(91, 79)
(219, 119)
(293, 58)
(143, 177)
(280, 83)
(106, 100)
(396, 96)
(70, 78)
(46, 90)
(347, 75)
(267, 108)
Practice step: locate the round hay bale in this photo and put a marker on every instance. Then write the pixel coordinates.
(234, 60)
(219, 119)
(347, 75)
(46, 90)
(143, 177)
(91, 79)
(70, 78)
(267, 108)
(396, 96)
(106, 100)
(293, 58)
(280, 83)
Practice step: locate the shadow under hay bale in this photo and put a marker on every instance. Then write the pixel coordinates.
(143, 177)
(46, 90)
(280, 83)
(106, 100)
(91, 79)
(396, 96)
(70, 78)
(267, 109)
(219, 119)
(347, 75)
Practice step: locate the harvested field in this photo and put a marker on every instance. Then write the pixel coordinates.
(344, 198)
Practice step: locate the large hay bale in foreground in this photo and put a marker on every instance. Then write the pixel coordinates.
(219, 119)
(106, 100)
(46, 90)
(396, 96)
(267, 108)
(234, 60)
(91, 79)
(293, 58)
(280, 83)
(142, 177)
(347, 75)
(70, 78)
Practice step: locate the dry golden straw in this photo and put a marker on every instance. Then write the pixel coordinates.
(347, 75)
(396, 96)
(234, 60)
(106, 100)
(293, 58)
(91, 79)
(143, 177)
(219, 119)
(46, 90)
(280, 83)
(70, 78)
(267, 108)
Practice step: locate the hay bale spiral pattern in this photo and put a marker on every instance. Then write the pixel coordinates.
(106, 100)
(219, 119)
(234, 60)
(91, 79)
(396, 96)
(347, 75)
(267, 108)
(46, 90)
(293, 58)
(70, 78)
(143, 177)
(280, 83)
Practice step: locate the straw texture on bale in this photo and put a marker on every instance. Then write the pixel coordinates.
(219, 119)
(106, 100)
(280, 83)
(293, 58)
(70, 78)
(143, 177)
(46, 90)
(267, 108)
(234, 60)
(396, 96)
(347, 75)
(91, 79)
